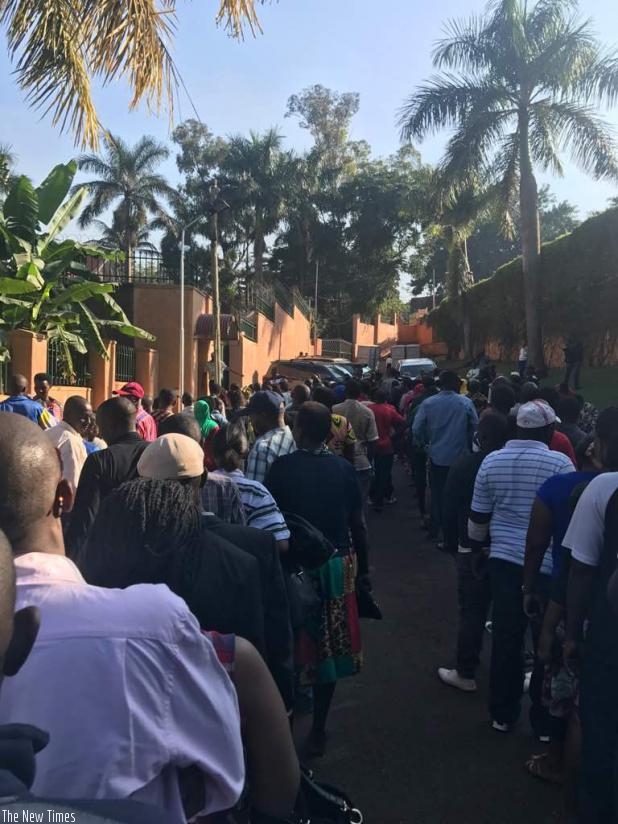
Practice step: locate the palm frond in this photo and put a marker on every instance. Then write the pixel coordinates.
(442, 102)
(543, 146)
(463, 46)
(588, 138)
(60, 46)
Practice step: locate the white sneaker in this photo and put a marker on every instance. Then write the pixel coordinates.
(454, 679)
(391, 500)
(527, 679)
(500, 727)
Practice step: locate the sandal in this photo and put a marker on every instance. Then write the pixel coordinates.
(537, 766)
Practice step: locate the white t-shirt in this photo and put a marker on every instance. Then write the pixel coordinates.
(585, 536)
(523, 353)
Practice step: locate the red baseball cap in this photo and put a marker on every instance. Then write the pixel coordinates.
(133, 389)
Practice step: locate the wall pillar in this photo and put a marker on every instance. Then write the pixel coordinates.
(376, 329)
(28, 354)
(102, 374)
(147, 370)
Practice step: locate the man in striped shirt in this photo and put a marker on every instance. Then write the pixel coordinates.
(504, 491)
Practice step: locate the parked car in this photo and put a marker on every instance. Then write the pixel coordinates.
(303, 369)
(415, 367)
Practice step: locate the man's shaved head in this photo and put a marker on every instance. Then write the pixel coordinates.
(29, 475)
(116, 417)
(18, 384)
(77, 410)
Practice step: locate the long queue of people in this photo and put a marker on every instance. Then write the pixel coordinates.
(523, 483)
(179, 580)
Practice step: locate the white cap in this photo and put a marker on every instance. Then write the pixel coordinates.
(171, 457)
(536, 415)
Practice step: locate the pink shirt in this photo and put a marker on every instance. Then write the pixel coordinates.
(129, 690)
(146, 426)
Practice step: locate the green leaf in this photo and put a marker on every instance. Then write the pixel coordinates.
(54, 189)
(39, 303)
(21, 210)
(81, 291)
(15, 286)
(128, 329)
(63, 216)
(29, 272)
(91, 328)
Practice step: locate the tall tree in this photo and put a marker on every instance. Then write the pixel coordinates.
(519, 86)
(127, 178)
(257, 170)
(62, 46)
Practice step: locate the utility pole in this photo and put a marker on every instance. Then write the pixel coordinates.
(216, 305)
(433, 292)
(181, 342)
(217, 205)
(315, 307)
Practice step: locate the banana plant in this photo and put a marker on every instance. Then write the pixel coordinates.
(45, 283)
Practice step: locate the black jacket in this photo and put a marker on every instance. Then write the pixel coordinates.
(261, 545)
(102, 472)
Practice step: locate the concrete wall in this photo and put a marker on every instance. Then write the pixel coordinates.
(156, 307)
(282, 339)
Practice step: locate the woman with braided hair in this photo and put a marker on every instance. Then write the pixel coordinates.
(150, 531)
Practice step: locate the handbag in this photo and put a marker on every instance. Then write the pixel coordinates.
(309, 547)
(304, 601)
(318, 803)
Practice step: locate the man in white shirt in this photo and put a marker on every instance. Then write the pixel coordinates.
(592, 537)
(504, 491)
(130, 690)
(68, 437)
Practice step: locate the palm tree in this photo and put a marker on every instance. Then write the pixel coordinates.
(126, 174)
(7, 164)
(257, 171)
(114, 236)
(518, 87)
(62, 46)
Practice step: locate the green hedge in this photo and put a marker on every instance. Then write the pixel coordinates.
(579, 296)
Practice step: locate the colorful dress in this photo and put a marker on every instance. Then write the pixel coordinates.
(324, 490)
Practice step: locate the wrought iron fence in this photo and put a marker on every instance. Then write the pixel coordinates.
(249, 328)
(125, 363)
(337, 348)
(61, 370)
(284, 298)
(146, 266)
(302, 304)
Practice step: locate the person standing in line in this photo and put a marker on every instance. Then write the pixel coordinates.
(42, 389)
(363, 421)
(19, 403)
(473, 588)
(107, 469)
(168, 399)
(522, 362)
(446, 422)
(504, 492)
(274, 438)
(573, 359)
(188, 402)
(592, 541)
(145, 424)
(68, 437)
(387, 420)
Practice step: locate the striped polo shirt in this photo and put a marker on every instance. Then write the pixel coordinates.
(260, 508)
(506, 486)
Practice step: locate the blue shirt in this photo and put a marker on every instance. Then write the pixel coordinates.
(557, 495)
(446, 422)
(505, 488)
(33, 410)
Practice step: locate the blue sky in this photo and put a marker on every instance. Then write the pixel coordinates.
(380, 49)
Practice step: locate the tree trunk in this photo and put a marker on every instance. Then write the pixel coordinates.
(530, 247)
(467, 327)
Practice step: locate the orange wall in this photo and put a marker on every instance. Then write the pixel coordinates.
(363, 334)
(157, 309)
(286, 338)
(385, 331)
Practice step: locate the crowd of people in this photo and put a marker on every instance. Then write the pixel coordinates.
(182, 577)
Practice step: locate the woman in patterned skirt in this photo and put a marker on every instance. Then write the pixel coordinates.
(323, 489)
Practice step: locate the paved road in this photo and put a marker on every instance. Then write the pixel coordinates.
(408, 749)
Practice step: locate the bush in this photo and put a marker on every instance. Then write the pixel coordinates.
(579, 292)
